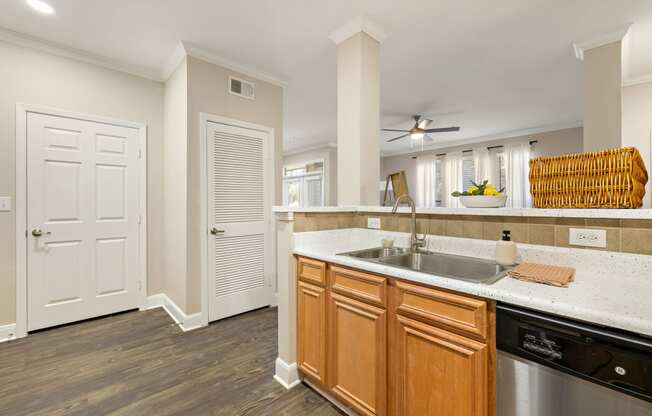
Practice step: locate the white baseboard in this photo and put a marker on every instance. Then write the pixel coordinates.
(274, 300)
(286, 374)
(7, 332)
(185, 322)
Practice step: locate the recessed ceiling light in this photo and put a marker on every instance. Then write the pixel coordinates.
(40, 6)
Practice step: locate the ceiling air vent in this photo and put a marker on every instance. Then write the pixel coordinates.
(241, 88)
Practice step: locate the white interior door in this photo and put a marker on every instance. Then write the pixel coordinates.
(83, 202)
(239, 199)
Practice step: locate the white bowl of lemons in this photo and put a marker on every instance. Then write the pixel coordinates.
(482, 195)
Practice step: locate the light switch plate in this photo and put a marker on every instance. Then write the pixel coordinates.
(5, 203)
(587, 237)
(373, 223)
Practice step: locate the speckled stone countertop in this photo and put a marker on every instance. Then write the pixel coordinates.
(507, 212)
(611, 289)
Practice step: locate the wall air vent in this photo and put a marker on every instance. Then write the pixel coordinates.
(241, 88)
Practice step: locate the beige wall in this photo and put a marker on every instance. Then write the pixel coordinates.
(329, 156)
(33, 77)
(602, 97)
(175, 155)
(637, 125)
(550, 143)
(208, 93)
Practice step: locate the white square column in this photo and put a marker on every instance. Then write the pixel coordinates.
(358, 113)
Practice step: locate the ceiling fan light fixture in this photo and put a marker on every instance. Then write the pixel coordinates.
(416, 136)
(40, 6)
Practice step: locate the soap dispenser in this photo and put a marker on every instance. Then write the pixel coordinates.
(506, 250)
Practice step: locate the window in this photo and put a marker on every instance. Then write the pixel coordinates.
(303, 184)
(439, 182)
(468, 170)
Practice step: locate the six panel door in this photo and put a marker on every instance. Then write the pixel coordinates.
(439, 373)
(311, 331)
(83, 218)
(357, 354)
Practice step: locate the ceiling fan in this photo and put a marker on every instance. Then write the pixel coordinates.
(420, 130)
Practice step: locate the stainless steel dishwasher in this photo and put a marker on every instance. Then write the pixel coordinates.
(552, 366)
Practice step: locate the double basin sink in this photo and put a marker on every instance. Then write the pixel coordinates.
(439, 264)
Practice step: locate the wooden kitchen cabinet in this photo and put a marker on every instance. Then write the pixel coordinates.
(383, 346)
(357, 354)
(311, 331)
(438, 372)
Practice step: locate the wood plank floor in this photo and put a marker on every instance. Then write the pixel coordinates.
(141, 363)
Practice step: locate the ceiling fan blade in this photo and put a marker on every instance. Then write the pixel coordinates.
(442, 130)
(399, 137)
(400, 131)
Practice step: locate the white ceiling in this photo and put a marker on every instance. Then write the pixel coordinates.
(490, 67)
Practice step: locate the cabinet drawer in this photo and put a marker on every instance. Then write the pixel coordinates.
(359, 285)
(312, 271)
(451, 311)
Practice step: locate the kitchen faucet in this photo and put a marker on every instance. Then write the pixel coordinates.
(416, 244)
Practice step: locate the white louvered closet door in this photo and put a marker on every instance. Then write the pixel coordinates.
(239, 205)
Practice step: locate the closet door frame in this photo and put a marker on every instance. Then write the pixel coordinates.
(270, 186)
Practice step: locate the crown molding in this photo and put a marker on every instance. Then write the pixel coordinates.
(31, 42)
(174, 60)
(637, 80)
(181, 50)
(357, 25)
(499, 136)
(329, 145)
(190, 49)
(600, 40)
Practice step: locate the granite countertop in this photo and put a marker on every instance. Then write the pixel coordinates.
(610, 289)
(641, 214)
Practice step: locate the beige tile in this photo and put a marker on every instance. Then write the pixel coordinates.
(454, 228)
(576, 222)
(518, 230)
(636, 223)
(542, 220)
(388, 222)
(561, 235)
(423, 225)
(472, 229)
(346, 221)
(437, 226)
(636, 240)
(542, 234)
(602, 222)
(404, 223)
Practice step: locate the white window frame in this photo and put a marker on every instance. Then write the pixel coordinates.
(303, 178)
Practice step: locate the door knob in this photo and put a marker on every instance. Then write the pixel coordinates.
(215, 231)
(37, 232)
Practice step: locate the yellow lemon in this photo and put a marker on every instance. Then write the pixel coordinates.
(490, 191)
(472, 189)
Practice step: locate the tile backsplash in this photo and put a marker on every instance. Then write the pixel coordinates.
(630, 236)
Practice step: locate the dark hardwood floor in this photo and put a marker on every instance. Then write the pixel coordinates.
(141, 363)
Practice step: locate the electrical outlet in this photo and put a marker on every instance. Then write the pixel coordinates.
(5, 203)
(373, 223)
(587, 237)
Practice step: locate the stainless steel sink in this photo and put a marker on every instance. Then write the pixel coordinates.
(445, 265)
(376, 253)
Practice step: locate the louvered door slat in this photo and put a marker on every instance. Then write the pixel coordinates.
(238, 167)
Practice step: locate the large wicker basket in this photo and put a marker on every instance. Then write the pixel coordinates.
(613, 178)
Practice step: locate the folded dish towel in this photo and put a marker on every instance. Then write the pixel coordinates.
(543, 273)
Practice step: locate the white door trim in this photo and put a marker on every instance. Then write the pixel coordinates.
(204, 118)
(21, 202)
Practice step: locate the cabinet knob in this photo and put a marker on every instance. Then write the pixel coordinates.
(215, 231)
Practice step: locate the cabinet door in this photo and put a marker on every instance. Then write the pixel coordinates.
(311, 331)
(357, 354)
(439, 373)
